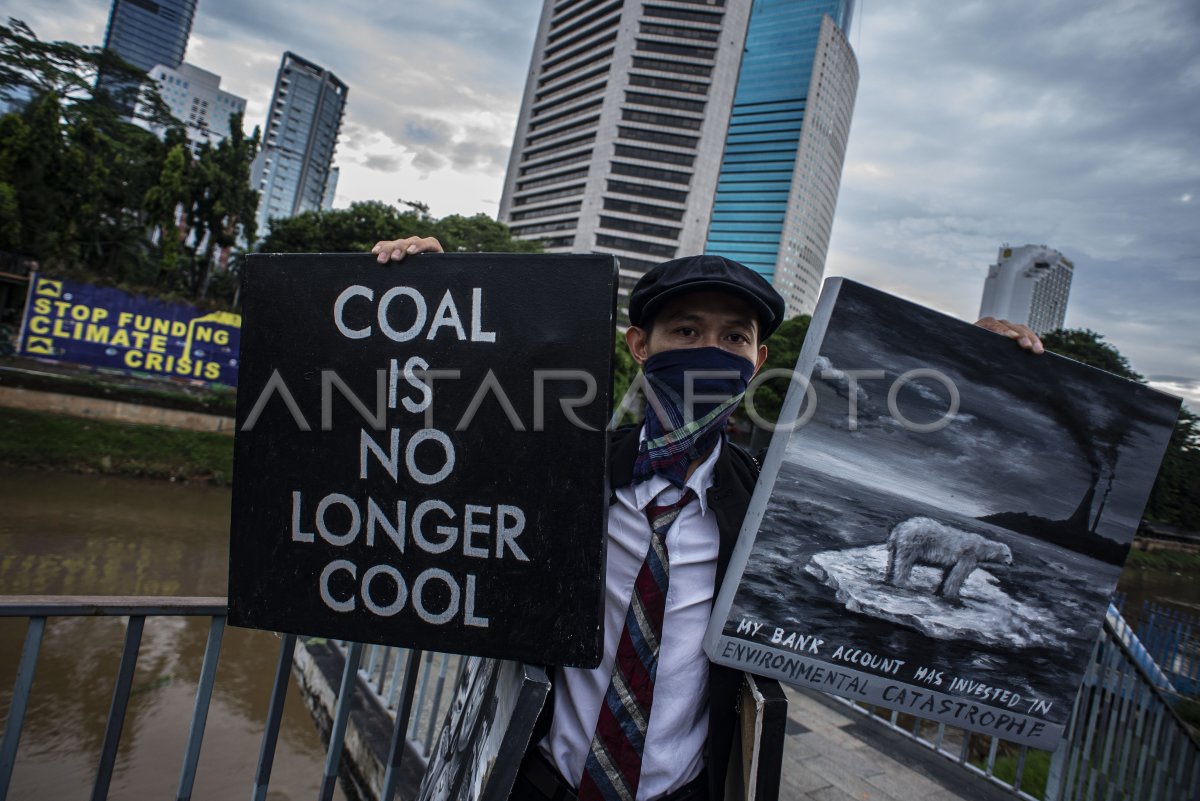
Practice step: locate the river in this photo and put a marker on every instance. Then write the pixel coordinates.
(63, 534)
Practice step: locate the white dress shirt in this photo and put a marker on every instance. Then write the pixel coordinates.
(678, 727)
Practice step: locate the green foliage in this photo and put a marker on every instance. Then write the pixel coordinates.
(1175, 499)
(625, 369)
(783, 348)
(1163, 560)
(90, 195)
(478, 234)
(37, 439)
(352, 230)
(1085, 345)
(1034, 774)
(358, 228)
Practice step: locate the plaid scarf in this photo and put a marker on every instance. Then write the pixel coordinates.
(677, 436)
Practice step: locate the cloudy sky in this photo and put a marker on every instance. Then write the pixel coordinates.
(1075, 124)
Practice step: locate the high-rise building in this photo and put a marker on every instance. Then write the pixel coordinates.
(782, 166)
(150, 32)
(331, 188)
(634, 120)
(1028, 285)
(293, 167)
(196, 99)
(621, 128)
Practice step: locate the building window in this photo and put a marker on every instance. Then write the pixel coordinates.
(665, 101)
(664, 120)
(646, 190)
(669, 84)
(679, 67)
(680, 32)
(639, 227)
(706, 53)
(658, 137)
(642, 209)
(650, 154)
(636, 245)
(651, 173)
(665, 12)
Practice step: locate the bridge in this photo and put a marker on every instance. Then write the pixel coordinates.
(378, 708)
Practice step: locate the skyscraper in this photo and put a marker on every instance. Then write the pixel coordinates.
(196, 99)
(150, 32)
(621, 128)
(293, 166)
(625, 129)
(782, 165)
(1028, 285)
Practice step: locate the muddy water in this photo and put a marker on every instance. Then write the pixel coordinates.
(87, 535)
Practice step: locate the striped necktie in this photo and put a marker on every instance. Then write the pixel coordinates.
(614, 761)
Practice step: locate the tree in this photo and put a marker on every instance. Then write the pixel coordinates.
(352, 230)
(479, 234)
(625, 369)
(222, 203)
(76, 170)
(782, 351)
(1085, 345)
(1175, 499)
(357, 228)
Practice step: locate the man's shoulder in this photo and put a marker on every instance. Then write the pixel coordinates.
(743, 464)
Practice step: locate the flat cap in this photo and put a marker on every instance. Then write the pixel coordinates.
(700, 273)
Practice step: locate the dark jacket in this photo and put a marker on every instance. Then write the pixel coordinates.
(734, 476)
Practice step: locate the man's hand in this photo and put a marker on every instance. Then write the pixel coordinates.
(1022, 333)
(396, 249)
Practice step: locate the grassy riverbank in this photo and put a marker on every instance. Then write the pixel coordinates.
(1163, 560)
(50, 441)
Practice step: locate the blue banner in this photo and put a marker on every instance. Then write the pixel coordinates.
(83, 324)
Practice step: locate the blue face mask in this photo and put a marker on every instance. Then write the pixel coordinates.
(690, 394)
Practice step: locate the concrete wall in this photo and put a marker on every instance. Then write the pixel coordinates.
(119, 411)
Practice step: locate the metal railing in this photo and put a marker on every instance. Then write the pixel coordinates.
(383, 671)
(400, 678)
(1173, 638)
(1123, 740)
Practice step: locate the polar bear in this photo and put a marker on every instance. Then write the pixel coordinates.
(925, 541)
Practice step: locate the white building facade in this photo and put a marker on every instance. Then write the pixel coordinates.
(1029, 285)
(622, 127)
(196, 99)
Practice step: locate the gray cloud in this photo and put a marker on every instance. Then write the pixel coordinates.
(1069, 124)
(381, 161)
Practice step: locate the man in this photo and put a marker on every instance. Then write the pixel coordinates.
(679, 494)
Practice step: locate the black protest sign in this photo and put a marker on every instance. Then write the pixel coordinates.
(420, 451)
(941, 519)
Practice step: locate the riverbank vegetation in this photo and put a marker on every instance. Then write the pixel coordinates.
(51, 441)
(1163, 560)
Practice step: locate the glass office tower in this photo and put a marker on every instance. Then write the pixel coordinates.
(783, 155)
(293, 167)
(150, 32)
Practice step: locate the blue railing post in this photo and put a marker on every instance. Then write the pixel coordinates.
(266, 754)
(396, 750)
(120, 703)
(340, 717)
(208, 676)
(16, 710)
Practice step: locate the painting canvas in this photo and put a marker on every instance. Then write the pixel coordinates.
(485, 732)
(941, 520)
